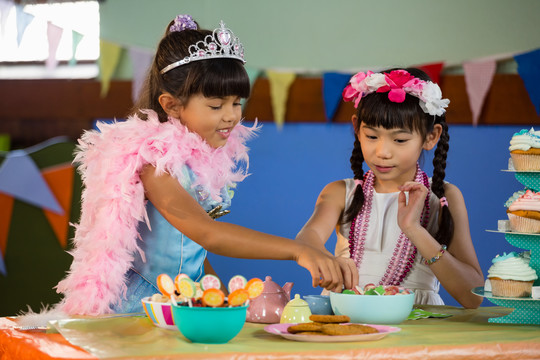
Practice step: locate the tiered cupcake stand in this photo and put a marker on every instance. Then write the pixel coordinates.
(526, 310)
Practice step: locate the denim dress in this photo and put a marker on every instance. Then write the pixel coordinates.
(166, 249)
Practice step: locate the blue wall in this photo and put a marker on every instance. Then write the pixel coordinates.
(290, 167)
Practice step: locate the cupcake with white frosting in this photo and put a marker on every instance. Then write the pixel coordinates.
(525, 150)
(511, 276)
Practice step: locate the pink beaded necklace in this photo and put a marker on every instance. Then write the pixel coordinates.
(405, 252)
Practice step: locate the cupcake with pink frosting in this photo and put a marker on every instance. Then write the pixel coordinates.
(524, 213)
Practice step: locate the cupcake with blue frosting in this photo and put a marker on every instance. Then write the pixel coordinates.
(525, 150)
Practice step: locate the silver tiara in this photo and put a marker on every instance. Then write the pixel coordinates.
(221, 44)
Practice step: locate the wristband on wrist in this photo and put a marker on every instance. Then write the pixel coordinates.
(436, 257)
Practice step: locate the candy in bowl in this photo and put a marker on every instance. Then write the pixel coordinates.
(376, 305)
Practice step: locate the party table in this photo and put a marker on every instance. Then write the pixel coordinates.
(467, 334)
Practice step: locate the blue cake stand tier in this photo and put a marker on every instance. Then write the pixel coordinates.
(526, 310)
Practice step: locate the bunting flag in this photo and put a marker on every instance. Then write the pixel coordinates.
(54, 34)
(23, 20)
(279, 92)
(6, 209)
(5, 9)
(433, 70)
(141, 59)
(478, 77)
(60, 181)
(333, 85)
(76, 38)
(108, 61)
(3, 269)
(253, 74)
(529, 70)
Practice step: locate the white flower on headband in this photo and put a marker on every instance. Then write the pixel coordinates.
(432, 101)
(397, 83)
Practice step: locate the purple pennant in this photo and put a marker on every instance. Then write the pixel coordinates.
(529, 70)
(21, 178)
(333, 85)
(3, 269)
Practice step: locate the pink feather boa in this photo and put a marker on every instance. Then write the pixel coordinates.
(113, 201)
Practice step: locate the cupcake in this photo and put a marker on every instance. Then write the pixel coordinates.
(525, 150)
(524, 212)
(511, 276)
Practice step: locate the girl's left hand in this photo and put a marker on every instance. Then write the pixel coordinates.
(409, 212)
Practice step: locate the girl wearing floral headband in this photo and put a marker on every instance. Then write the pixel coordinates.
(155, 183)
(400, 227)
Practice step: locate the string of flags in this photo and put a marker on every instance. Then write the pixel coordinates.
(478, 73)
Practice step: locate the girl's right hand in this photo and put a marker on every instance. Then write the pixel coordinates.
(326, 270)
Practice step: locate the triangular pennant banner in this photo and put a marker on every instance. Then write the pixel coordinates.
(5, 8)
(60, 181)
(23, 20)
(279, 91)
(478, 77)
(54, 34)
(433, 70)
(21, 178)
(529, 70)
(3, 269)
(333, 85)
(253, 74)
(76, 38)
(6, 210)
(108, 60)
(141, 59)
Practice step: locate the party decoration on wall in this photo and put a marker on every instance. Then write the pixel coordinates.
(54, 34)
(76, 38)
(529, 70)
(49, 189)
(108, 61)
(141, 59)
(23, 20)
(333, 85)
(3, 269)
(253, 74)
(433, 70)
(5, 9)
(279, 91)
(478, 78)
(60, 180)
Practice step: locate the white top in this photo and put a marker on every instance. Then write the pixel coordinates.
(382, 235)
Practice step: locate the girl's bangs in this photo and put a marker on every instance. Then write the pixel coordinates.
(226, 77)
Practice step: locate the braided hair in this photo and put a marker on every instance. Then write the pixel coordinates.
(377, 110)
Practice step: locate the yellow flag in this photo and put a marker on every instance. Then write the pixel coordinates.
(108, 60)
(279, 91)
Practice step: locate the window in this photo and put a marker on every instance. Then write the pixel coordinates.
(76, 21)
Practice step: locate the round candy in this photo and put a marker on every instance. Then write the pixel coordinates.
(236, 282)
(187, 288)
(238, 297)
(210, 281)
(165, 284)
(213, 297)
(254, 287)
(177, 280)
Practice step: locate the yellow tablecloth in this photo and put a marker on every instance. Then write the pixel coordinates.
(467, 334)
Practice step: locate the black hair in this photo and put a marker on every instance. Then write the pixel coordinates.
(212, 78)
(376, 109)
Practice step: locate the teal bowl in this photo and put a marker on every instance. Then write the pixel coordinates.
(209, 325)
(373, 309)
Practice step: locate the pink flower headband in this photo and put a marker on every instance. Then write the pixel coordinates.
(397, 83)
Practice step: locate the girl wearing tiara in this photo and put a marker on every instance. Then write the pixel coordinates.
(155, 183)
(399, 226)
